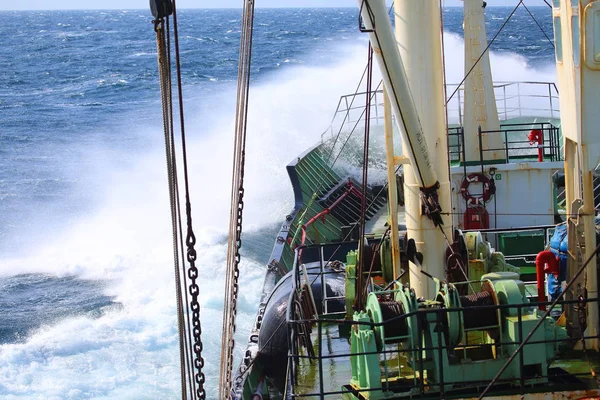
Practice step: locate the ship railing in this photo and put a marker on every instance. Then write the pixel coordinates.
(513, 100)
(516, 145)
(300, 357)
(325, 254)
(293, 345)
(417, 380)
(561, 198)
(350, 112)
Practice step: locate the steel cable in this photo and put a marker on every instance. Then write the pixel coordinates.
(539, 26)
(484, 51)
(167, 109)
(237, 202)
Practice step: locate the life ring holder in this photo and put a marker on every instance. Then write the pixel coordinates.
(475, 200)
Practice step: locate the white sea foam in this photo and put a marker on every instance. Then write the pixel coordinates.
(506, 67)
(133, 352)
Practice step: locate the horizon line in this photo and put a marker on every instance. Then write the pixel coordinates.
(214, 8)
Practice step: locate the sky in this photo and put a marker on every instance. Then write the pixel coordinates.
(143, 4)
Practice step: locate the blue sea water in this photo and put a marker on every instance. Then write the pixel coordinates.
(87, 306)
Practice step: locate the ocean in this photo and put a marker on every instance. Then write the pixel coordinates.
(87, 302)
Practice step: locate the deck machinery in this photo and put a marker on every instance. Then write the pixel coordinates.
(452, 342)
(448, 346)
(448, 337)
(425, 315)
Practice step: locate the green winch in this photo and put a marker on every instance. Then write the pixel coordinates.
(452, 342)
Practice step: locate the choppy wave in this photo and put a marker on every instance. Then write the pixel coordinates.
(88, 208)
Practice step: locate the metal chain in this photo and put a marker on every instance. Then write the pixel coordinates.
(166, 98)
(237, 205)
(190, 242)
(234, 284)
(236, 272)
(191, 254)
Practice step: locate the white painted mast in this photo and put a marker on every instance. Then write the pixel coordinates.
(418, 33)
(374, 14)
(479, 99)
(577, 42)
(415, 147)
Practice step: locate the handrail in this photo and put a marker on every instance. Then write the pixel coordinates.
(515, 144)
(520, 383)
(513, 99)
(433, 387)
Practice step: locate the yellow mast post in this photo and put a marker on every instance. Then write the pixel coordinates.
(392, 186)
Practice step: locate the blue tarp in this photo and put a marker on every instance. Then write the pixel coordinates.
(559, 246)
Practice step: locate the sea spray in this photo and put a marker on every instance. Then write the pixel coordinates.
(105, 138)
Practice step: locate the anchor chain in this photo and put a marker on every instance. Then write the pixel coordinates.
(167, 106)
(161, 10)
(237, 204)
(194, 290)
(235, 276)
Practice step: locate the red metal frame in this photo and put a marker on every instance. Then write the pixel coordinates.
(322, 214)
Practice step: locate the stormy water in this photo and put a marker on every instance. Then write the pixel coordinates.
(87, 302)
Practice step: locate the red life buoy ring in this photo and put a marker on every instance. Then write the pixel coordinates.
(473, 200)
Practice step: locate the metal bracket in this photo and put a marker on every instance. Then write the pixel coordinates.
(361, 25)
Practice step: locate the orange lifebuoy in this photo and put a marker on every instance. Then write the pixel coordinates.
(473, 200)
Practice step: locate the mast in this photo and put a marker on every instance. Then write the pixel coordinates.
(479, 98)
(392, 183)
(422, 224)
(419, 42)
(577, 42)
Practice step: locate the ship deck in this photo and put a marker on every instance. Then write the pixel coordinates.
(327, 373)
(335, 365)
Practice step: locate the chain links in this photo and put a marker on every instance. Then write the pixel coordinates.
(194, 290)
(237, 205)
(236, 275)
(191, 254)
